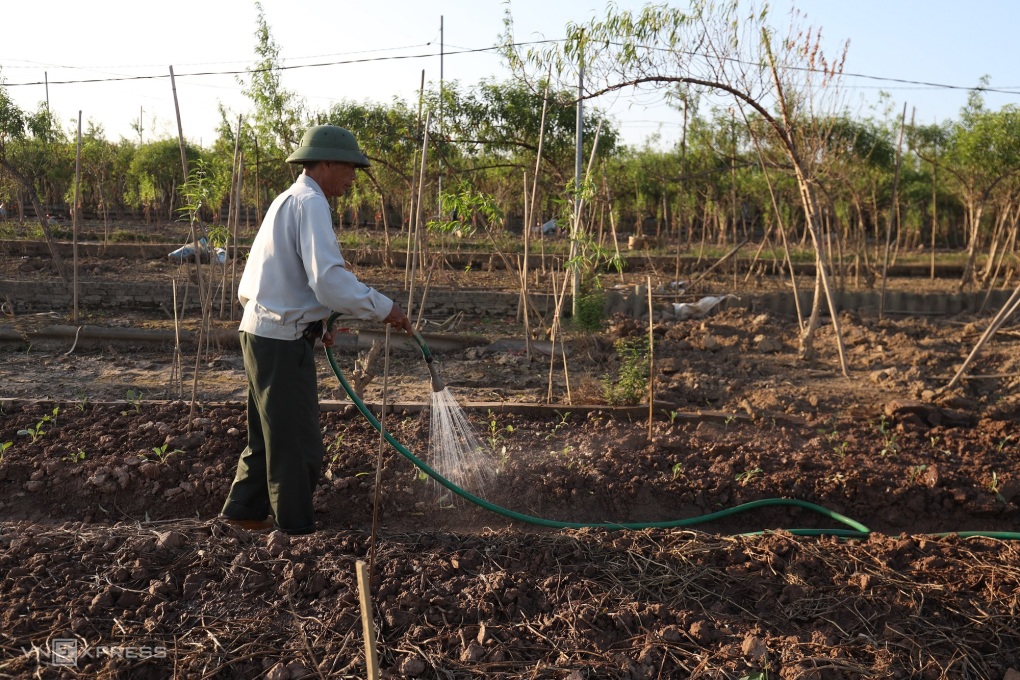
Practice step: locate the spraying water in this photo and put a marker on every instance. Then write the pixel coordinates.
(455, 451)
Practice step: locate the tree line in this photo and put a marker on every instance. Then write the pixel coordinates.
(731, 178)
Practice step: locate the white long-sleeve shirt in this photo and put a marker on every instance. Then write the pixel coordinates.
(295, 274)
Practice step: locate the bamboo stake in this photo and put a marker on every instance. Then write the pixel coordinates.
(233, 206)
(74, 222)
(367, 622)
(992, 275)
(1008, 309)
(198, 259)
(417, 219)
(566, 372)
(552, 341)
(651, 360)
(612, 226)
(410, 212)
(892, 211)
(382, 447)
(425, 293)
(387, 247)
(529, 216)
(934, 213)
(718, 263)
(766, 240)
(575, 278)
(554, 328)
(523, 271)
(175, 365)
(237, 220)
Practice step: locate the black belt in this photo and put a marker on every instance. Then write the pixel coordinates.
(313, 332)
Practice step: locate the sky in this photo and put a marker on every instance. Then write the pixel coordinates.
(387, 44)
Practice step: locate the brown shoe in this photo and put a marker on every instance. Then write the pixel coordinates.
(249, 524)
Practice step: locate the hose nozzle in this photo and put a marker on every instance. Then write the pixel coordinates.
(437, 383)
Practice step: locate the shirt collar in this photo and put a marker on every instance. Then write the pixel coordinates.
(311, 183)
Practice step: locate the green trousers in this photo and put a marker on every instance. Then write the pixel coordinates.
(278, 470)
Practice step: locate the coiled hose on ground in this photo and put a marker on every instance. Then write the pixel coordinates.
(856, 530)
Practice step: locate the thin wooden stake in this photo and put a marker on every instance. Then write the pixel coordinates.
(1008, 309)
(202, 298)
(411, 206)
(554, 329)
(237, 219)
(233, 205)
(892, 212)
(417, 215)
(522, 268)
(74, 221)
(176, 369)
(367, 622)
(382, 445)
(651, 360)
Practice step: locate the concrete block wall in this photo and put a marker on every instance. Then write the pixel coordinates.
(43, 296)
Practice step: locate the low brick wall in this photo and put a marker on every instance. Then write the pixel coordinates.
(36, 296)
(373, 257)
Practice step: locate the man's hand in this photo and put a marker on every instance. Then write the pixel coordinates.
(399, 320)
(328, 337)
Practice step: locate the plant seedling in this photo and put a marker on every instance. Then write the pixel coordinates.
(993, 486)
(747, 475)
(678, 470)
(135, 400)
(36, 432)
(840, 449)
(890, 447)
(161, 453)
(562, 423)
(76, 457)
(3, 449)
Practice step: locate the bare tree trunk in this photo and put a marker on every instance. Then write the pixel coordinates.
(974, 214)
(810, 205)
(33, 196)
(807, 337)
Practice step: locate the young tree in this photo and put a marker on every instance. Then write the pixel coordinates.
(982, 152)
(279, 113)
(15, 129)
(156, 175)
(713, 46)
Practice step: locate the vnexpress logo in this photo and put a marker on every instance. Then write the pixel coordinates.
(69, 651)
(63, 652)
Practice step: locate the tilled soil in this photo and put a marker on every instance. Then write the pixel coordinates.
(108, 538)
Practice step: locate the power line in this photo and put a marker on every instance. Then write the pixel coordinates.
(911, 84)
(276, 68)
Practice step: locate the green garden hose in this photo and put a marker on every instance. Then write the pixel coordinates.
(857, 530)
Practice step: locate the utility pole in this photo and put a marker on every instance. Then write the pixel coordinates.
(141, 112)
(46, 77)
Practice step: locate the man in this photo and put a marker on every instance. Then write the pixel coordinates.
(294, 277)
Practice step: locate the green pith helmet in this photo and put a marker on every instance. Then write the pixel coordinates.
(329, 143)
